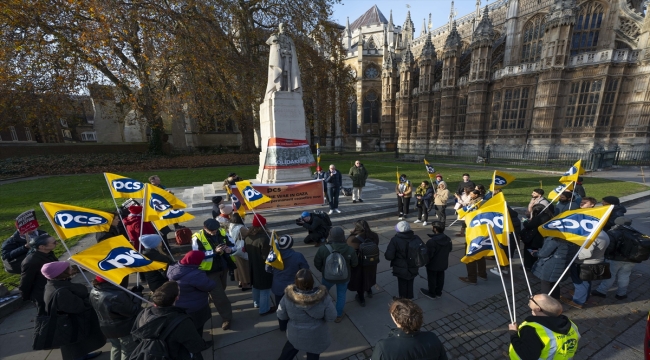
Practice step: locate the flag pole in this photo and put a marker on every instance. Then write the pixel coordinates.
(119, 213)
(496, 254)
(112, 282)
(530, 291)
(164, 240)
(557, 196)
(591, 235)
(144, 200)
(56, 230)
(512, 279)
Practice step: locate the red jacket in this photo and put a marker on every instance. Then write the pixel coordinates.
(132, 225)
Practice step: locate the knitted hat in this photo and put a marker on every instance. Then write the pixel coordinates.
(402, 226)
(216, 199)
(54, 269)
(193, 258)
(226, 210)
(259, 220)
(337, 235)
(150, 241)
(34, 243)
(211, 224)
(318, 168)
(222, 220)
(100, 279)
(305, 214)
(285, 242)
(438, 176)
(612, 200)
(135, 209)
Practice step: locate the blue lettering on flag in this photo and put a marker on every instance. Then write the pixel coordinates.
(481, 243)
(251, 194)
(571, 171)
(495, 220)
(498, 180)
(577, 224)
(123, 257)
(159, 203)
(127, 185)
(69, 219)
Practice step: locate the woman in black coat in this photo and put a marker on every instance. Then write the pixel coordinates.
(397, 254)
(64, 296)
(530, 236)
(362, 278)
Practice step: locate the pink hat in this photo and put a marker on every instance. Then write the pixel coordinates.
(54, 269)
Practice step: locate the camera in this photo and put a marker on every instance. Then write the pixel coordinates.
(299, 221)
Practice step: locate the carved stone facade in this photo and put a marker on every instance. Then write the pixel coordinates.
(518, 74)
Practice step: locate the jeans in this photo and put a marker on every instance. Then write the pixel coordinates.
(356, 193)
(440, 211)
(621, 271)
(333, 197)
(218, 294)
(341, 290)
(122, 347)
(403, 204)
(261, 299)
(582, 287)
(436, 280)
(405, 288)
(282, 323)
(423, 213)
(289, 353)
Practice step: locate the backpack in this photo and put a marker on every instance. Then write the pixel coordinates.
(323, 215)
(346, 191)
(368, 252)
(630, 244)
(417, 253)
(156, 349)
(183, 236)
(336, 268)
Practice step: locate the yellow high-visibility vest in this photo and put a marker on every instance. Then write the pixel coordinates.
(206, 264)
(556, 346)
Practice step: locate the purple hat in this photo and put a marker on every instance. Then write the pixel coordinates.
(54, 269)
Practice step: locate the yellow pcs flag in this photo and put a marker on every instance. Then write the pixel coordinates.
(68, 220)
(274, 258)
(496, 215)
(430, 170)
(462, 212)
(115, 258)
(124, 187)
(577, 226)
(173, 217)
(480, 243)
(500, 180)
(560, 189)
(573, 173)
(158, 202)
(397, 172)
(252, 197)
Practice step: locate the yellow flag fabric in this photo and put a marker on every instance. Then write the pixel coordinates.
(274, 258)
(480, 245)
(173, 217)
(317, 154)
(573, 172)
(500, 179)
(498, 198)
(560, 189)
(500, 250)
(158, 202)
(577, 226)
(496, 215)
(397, 172)
(252, 197)
(462, 212)
(430, 170)
(124, 187)
(68, 220)
(115, 258)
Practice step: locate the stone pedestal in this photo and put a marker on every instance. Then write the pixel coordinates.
(282, 115)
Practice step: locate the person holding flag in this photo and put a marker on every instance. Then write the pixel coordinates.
(320, 174)
(32, 282)
(258, 247)
(404, 191)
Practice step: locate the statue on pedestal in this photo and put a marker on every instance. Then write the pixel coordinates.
(284, 73)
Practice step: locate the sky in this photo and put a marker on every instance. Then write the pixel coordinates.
(420, 10)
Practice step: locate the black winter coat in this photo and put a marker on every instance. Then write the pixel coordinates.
(115, 308)
(439, 246)
(156, 278)
(397, 254)
(14, 246)
(258, 248)
(333, 181)
(32, 282)
(316, 225)
(618, 211)
(530, 235)
(416, 346)
(72, 299)
(112, 232)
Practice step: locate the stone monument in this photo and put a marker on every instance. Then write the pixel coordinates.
(285, 155)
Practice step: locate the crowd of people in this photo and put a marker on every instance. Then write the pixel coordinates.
(225, 245)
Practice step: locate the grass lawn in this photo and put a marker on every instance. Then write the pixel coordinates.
(90, 190)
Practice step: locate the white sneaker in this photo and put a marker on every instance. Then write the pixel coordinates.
(400, 218)
(337, 211)
(424, 223)
(495, 271)
(417, 221)
(330, 212)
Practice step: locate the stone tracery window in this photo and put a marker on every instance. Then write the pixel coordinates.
(531, 48)
(587, 28)
(462, 114)
(583, 103)
(496, 107)
(515, 106)
(371, 108)
(352, 116)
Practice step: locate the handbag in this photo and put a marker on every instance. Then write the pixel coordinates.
(590, 272)
(54, 330)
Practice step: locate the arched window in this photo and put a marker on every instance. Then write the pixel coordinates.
(531, 49)
(587, 28)
(371, 108)
(352, 117)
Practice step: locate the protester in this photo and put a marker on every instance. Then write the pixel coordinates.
(15, 249)
(408, 342)
(307, 309)
(439, 180)
(482, 191)
(151, 245)
(514, 236)
(593, 255)
(468, 200)
(424, 196)
(258, 248)
(65, 297)
(618, 211)
(554, 256)
(132, 224)
(225, 211)
(117, 228)
(537, 197)
(32, 282)
(316, 228)
(588, 202)
(216, 202)
(320, 174)
(404, 192)
(336, 244)
(547, 334)
(619, 265)
(358, 174)
(195, 287)
(155, 181)
(116, 310)
(440, 202)
(334, 182)
(231, 180)
(216, 245)
(397, 254)
(293, 261)
(183, 342)
(530, 235)
(438, 248)
(466, 183)
(578, 188)
(238, 232)
(362, 277)
(567, 201)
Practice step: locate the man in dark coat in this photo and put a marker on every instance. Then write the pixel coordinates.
(334, 182)
(15, 249)
(465, 183)
(32, 282)
(618, 211)
(117, 311)
(150, 244)
(315, 226)
(578, 188)
(397, 254)
(438, 247)
(358, 174)
(258, 247)
(183, 343)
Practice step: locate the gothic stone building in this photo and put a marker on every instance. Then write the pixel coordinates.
(517, 75)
